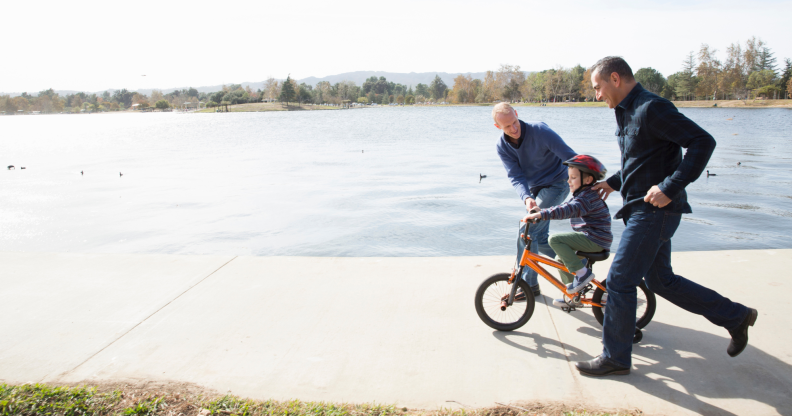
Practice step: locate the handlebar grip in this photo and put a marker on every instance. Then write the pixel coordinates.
(532, 211)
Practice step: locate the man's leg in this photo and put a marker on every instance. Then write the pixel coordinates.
(548, 197)
(689, 295)
(640, 242)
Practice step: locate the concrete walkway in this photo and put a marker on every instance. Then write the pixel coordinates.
(387, 330)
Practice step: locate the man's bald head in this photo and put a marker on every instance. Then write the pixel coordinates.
(502, 108)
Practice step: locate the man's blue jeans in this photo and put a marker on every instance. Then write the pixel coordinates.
(645, 252)
(548, 197)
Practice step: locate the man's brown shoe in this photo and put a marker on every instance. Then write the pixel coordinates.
(740, 334)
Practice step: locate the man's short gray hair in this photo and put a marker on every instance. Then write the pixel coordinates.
(501, 108)
(611, 64)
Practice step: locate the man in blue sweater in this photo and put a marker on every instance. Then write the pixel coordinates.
(533, 156)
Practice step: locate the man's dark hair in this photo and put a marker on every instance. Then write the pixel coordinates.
(611, 64)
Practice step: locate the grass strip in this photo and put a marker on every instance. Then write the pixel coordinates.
(42, 399)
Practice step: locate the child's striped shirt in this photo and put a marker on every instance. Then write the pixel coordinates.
(589, 215)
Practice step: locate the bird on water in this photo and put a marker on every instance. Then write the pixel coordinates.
(711, 174)
(481, 177)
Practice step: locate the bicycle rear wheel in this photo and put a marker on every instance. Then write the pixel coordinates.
(647, 303)
(490, 308)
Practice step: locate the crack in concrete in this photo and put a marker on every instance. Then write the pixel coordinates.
(558, 334)
(141, 322)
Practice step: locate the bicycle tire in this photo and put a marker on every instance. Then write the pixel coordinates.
(640, 321)
(488, 303)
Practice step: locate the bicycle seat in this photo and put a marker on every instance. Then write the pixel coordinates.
(599, 256)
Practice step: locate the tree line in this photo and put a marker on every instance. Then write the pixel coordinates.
(748, 71)
(48, 101)
(373, 91)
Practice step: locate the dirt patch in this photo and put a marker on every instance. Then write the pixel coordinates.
(555, 408)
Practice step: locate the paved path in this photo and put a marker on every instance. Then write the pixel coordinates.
(390, 330)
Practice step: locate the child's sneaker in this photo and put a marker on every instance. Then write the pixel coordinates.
(562, 304)
(581, 282)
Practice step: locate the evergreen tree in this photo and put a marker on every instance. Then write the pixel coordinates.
(287, 91)
(438, 88)
(767, 60)
(421, 89)
(786, 78)
(686, 80)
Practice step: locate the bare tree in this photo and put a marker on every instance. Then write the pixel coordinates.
(708, 72)
(508, 80)
(271, 89)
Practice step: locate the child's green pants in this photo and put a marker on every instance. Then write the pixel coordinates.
(565, 245)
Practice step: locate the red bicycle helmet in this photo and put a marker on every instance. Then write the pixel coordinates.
(588, 164)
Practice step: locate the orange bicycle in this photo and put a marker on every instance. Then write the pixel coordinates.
(497, 307)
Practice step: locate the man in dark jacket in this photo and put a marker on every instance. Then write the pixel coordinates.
(652, 180)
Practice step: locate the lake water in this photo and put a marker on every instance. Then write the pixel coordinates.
(366, 182)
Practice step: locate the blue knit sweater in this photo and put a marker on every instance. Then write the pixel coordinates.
(589, 215)
(537, 160)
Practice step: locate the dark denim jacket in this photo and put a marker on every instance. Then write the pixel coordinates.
(651, 134)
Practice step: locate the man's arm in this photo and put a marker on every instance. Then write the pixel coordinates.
(555, 143)
(615, 181)
(665, 122)
(516, 175)
(609, 185)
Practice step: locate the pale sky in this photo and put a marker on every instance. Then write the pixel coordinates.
(98, 45)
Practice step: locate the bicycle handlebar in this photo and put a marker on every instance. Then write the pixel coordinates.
(532, 211)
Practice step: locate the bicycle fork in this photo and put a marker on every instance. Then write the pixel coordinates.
(516, 274)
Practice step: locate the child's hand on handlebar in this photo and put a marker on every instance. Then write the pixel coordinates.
(532, 217)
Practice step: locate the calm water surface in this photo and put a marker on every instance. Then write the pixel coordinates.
(367, 182)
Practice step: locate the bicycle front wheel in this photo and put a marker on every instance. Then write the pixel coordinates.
(491, 308)
(647, 303)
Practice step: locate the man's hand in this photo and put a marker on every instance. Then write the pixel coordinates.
(656, 197)
(603, 188)
(530, 204)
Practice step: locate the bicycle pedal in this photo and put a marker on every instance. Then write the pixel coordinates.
(568, 309)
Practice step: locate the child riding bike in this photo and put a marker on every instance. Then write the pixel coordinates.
(590, 218)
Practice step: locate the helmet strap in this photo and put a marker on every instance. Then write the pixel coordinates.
(583, 183)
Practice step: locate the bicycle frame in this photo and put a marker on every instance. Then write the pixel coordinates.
(533, 261)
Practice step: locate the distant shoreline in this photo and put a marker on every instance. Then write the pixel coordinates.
(265, 107)
(256, 107)
(683, 104)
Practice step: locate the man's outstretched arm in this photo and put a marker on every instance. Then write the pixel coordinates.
(517, 178)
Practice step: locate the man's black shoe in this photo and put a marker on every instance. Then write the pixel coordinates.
(535, 290)
(740, 334)
(601, 366)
